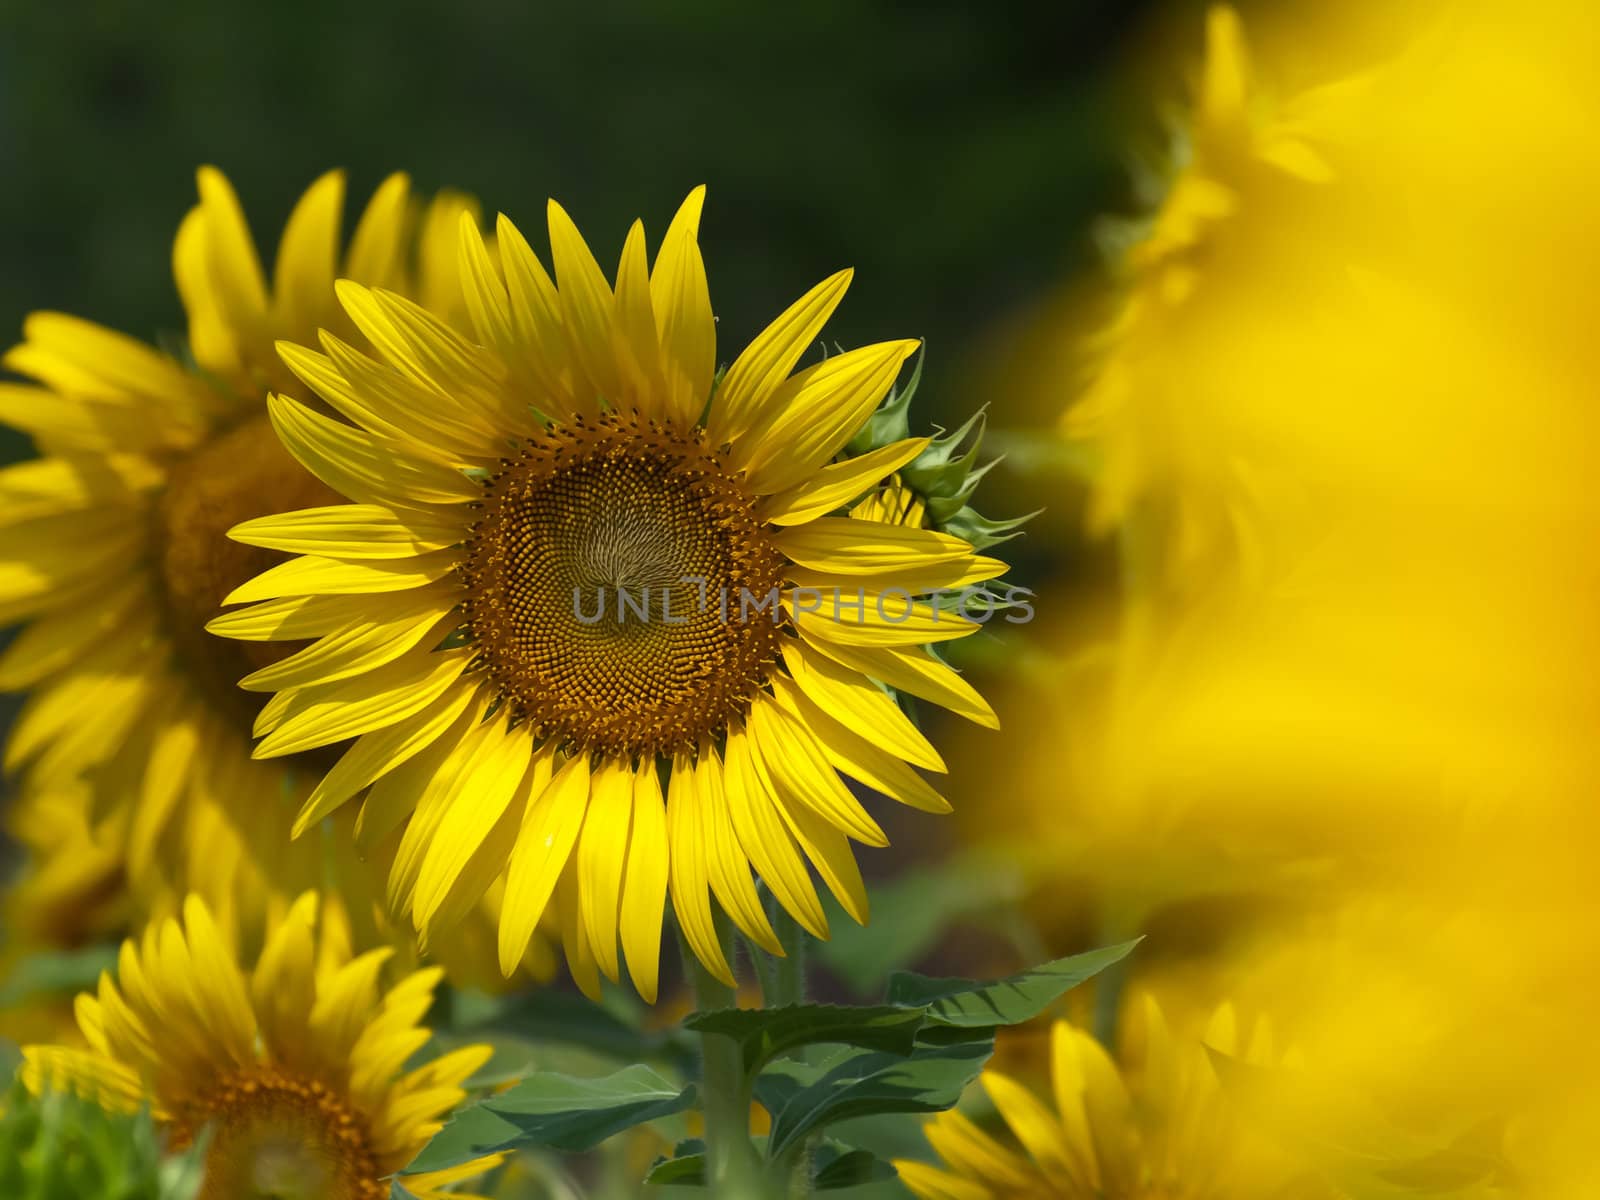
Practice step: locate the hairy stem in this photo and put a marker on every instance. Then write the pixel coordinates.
(733, 1168)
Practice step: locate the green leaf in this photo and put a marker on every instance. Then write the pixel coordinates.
(682, 1170)
(1020, 998)
(858, 1083)
(57, 971)
(553, 1110)
(763, 1034)
(837, 1166)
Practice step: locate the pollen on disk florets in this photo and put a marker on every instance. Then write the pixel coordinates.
(614, 583)
(275, 1134)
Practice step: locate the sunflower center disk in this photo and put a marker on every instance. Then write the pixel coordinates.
(245, 473)
(614, 583)
(275, 1137)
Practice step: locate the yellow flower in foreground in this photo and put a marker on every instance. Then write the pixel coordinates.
(113, 546)
(1154, 1132)
(513, 493)
(297, 1069)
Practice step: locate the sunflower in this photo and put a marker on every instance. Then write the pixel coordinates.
(1163, 1129)
(297, 1070)
(1245, 206)
(113, 547)
(589, 618)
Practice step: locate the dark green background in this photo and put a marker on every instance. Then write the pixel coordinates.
(952, 152)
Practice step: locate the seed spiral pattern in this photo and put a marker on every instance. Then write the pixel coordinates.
(275, 1134)
(582, 593)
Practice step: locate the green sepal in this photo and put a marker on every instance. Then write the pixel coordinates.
(972, 526)
(946, 475)
(891, 422)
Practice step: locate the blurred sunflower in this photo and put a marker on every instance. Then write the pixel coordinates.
(113, 546)
(295, 1070)
(512, 490)
(1249, 176)
(1162, 1128)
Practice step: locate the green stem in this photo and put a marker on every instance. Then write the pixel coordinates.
(789, 987)
(789, 973)
(733, 1168)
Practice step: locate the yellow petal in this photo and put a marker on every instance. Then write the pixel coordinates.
(398, 791)
(746, 390)
(308, 257)
(59, 424)
(914, 671)
(320, 716)
(801, 772)
(602, 858)
(375, 754)
(690, 880)
(837, 484)
(235, 270)
(930, 1183)
(487, 302)
(104, 1081)
(858, 703)
(811, 416)
(829, 852)
(361, 468)
(857, 756)
(397, 628)
(685, 326)
(226, 1007)
(549, 831)
(574, 936)
(212, 339)
(44, 487)
(377, 247)
(82, 359)
(352, 531)
(642, 384)
(846, 546)
(173, 747)
(765, 838)
(973, 1152)
(586, 305)
(536, 316)
(384, 402)
(54, 642)
(473, 804)
(1035, 1125)
(726, 862)
(644, 886)
(953, 576)
(861, 616)
(313, 576)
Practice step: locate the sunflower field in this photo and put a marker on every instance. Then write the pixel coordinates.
(953, 601)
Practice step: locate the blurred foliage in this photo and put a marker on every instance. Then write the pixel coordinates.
(58, 1147)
